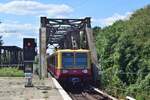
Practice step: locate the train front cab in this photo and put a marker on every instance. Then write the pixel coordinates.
(73, 66)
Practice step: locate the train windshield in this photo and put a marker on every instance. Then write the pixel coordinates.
(74, 60)
(68, 59)
(81, 60)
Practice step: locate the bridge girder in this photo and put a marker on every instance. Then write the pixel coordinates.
(63, 29)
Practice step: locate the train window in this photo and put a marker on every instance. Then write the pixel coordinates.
(81, 60)
(51, 60)
(56, 63)
(68, 60)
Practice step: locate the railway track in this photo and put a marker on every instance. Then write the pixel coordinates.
(87, 93)
(90, 95)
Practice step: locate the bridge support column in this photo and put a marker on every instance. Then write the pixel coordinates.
(92, 47)
(43, 60)
(93, 53)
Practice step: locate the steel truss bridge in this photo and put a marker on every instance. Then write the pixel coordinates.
(11, 56)
(66, 34)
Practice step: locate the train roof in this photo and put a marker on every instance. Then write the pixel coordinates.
(69, 50)
(73, 50)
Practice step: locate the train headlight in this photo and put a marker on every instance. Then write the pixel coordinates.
(85, 71)
(64, 71)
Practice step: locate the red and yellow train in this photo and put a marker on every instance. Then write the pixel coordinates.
(70, 65)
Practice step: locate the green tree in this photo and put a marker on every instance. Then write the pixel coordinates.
(124, 53)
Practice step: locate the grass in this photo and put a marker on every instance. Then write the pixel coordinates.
(11, 72)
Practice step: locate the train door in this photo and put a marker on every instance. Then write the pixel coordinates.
(55, 63)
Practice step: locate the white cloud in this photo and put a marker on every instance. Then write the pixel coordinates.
(16, 29)
(110, 20)
(22, 0)
(13, 30)
(28, 7)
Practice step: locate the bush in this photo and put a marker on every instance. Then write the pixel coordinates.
(11, 72)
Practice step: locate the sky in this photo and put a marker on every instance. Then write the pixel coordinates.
(21, 18)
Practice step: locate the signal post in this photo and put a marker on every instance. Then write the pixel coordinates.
(29, 53)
